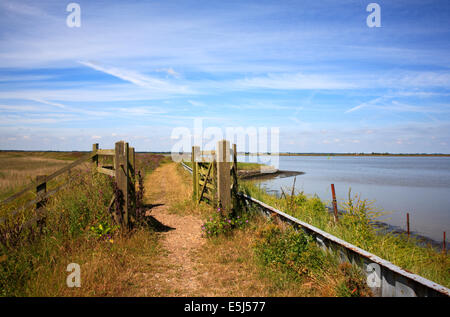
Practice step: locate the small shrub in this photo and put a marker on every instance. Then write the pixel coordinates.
(218, 224)
(288, 250)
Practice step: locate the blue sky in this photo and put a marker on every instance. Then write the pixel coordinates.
(135, 70)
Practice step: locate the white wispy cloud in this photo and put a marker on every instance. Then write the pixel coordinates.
(24, 78)
(264, 106)
(295, 81)
(196, 103)
(140, 111)
(19, 108)
(50, 103)
(138, 79)
(22, 8)
(169, 71)
(387, 104)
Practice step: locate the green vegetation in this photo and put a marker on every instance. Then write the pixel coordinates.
(292, 256)
(286, 259)
(71, 212)
(355, 226)
(77, 228)
(244, 166)
(218, 223)
(278, 260)
(248, 166)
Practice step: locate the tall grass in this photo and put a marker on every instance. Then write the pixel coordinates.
(70, 215)
(18, 171)
(355, 226)
(78, 228)
(291, 256)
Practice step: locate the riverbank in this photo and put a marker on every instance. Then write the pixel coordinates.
(384, 227)
(259, 171)
(355, 226)
(266, 174)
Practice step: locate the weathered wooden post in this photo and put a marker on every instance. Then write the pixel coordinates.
(214, 181)
(234, 192)
(335, 209)
(195, 176)
(132, 183)
(444, 249)
(132, 160)
(407, 223)
(95, 158)
(223, 175)
(235, 167)
(41, 190)
(121, 170)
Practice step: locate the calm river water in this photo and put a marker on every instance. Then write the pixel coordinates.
(418, 185)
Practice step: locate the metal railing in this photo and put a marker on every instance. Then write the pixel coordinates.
(391, 280)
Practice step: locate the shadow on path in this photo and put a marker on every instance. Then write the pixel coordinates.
(153, 222)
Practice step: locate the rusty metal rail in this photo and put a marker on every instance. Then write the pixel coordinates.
(187, 168)
(393, 280)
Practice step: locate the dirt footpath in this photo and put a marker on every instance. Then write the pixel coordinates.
(181, 234)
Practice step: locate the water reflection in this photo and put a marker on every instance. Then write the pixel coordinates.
(418, 185)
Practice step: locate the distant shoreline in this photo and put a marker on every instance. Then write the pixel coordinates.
(349, 154)
(267, 175)
(264, 154)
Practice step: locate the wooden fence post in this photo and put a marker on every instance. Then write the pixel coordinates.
(121, 170)
(132, 160)
(95, 158)
(195, 176)
(223, 175)
(234, 198)
(335, 209)
(214, 181)
(41, 190)
(235, 168)
(132, 184)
